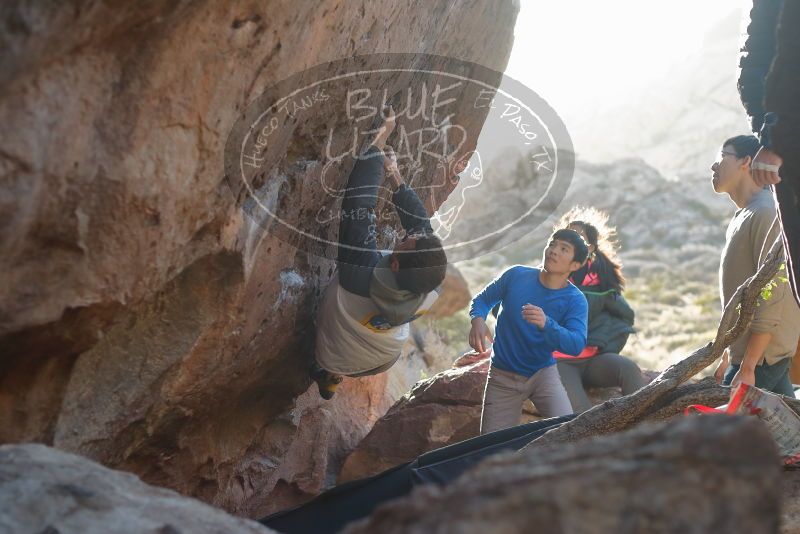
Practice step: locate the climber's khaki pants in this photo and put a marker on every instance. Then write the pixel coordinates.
(505, 392)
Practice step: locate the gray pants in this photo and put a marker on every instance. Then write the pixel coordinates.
(601, 371)
(505, 392)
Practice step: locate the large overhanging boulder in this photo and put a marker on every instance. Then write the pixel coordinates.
(45, 490)
(145, 321)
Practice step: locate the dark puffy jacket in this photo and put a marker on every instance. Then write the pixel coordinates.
(782, 88)
(769, 80)
(610, 320)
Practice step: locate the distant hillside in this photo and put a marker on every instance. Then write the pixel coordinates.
(676, 124)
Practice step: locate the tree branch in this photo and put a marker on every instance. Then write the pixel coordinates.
(619, 414)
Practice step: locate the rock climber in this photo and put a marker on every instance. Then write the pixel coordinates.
(364, 319)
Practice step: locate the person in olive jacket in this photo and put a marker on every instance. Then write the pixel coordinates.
(610, 317)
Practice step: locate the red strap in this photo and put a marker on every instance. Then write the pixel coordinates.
(591, 279)
(733, 406)
(699, 408)
(587, 352)
(738, 399)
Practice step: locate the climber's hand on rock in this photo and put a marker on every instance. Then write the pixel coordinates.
(765, 167)
(390, 167)
(719, 373)
(385, 129)
(478, 334)
(534, 315)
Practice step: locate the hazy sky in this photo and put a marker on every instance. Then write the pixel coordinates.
(574, 51)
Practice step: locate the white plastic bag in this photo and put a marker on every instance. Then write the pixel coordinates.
(782, 421)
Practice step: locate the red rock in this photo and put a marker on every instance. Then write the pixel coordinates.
(439, 411)
(455, 294)
(469, 358)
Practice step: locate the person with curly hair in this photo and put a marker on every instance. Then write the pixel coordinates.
(601, 281)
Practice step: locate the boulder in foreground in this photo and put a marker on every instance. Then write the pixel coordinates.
(46, 490)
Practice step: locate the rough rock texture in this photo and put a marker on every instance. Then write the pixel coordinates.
(790, 504)
(455, 294)
(54, 491)
(696, 475)
(439, 411)
(144, 321)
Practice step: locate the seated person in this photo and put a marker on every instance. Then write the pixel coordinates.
(541, 312)
(610, 318)
(365, 314)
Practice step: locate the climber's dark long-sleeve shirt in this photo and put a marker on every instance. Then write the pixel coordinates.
(358, 250)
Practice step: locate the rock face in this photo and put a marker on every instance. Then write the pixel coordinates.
(53, 491)
(439, 411)
(695, 475)
(145, 322)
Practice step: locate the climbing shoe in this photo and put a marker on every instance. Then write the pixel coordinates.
(326, 381)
